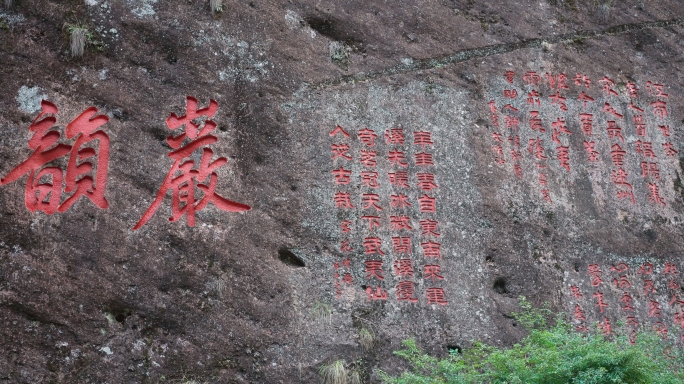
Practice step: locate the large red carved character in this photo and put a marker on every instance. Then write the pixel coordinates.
(44, 184)
(184, 177)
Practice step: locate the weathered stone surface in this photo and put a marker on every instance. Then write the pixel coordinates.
(249, 297)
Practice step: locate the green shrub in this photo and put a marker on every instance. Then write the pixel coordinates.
(549, 354)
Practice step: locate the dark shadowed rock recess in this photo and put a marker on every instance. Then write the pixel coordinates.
(245, 191)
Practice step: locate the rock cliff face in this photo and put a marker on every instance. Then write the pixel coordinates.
(411, 168)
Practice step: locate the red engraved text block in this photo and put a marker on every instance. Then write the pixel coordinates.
(86, 173)
(399, 201)
(369, 179)
(397, 158)
(184, 177)
(402, 245)
(436, 296)
(423, 138)
(599, 301)
(426, 181)
(343, 200)
(370, 200)
(368, 158)
(431, 249)
(372, 246)
(399, 223)
(432, 272)
(338, 131)
(374, 269)
(376, 294)
(399, 179)
(405, 291)
(428, 227)
(341, 175)
(403, 267)
(582, 79)
(367, 136)
(427, 203)
(340, 151)
(373, 221)
(394, 136)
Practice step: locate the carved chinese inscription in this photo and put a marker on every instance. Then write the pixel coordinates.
(625, 131)
(385, 184)
(88, 161)
(193, 186)
(640, 295)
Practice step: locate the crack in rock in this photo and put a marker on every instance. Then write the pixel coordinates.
(408, 66)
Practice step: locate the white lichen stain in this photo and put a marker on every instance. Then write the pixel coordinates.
(245, 60)
(142, 8)
(29, 99)
(137, 346)
(107, 351)
(293, 20)
(12, 19)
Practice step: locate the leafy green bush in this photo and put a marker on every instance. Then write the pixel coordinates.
(549, 354)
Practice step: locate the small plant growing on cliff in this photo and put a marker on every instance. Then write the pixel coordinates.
(9, 4)
(322, 312)
(354, 377)
(216, 6)
(366, 338)
(334, 373)
(338, 373)
(78, 37)
(603, 8)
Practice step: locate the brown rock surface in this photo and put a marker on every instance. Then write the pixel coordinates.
(244, 297)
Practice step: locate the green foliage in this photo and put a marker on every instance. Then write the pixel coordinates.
(550, 354)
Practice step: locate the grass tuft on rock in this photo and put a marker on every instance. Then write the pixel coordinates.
(322, 312)
(334, 373)
(366, 338)
(216, 6)
(78, 37)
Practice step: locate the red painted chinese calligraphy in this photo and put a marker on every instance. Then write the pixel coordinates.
(184, 178)
(86, 173)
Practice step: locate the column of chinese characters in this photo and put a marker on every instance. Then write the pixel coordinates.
(184, 179)
(428, 223)
(586, 118)
(371, 208)
(512, 122)
(342, 177)
(614, 122)
(535, 146)
(559, 128)
(400, 222)
(646, 148)
(595, 273)
(496, 135)
(578, 314)
(621, 283)
(86, 173)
